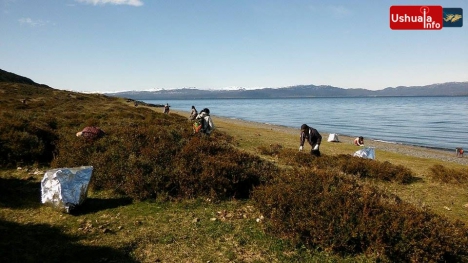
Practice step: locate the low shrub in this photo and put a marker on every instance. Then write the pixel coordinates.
(447, 175)
(210, 167)
(366, 168)
(272, 149)
(25, 140)
(146, 161)
(361, 167)
(330, 212)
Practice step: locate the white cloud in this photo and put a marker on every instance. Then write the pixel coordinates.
(112, 2)
(28, 21)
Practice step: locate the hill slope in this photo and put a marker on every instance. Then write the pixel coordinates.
(6, 76)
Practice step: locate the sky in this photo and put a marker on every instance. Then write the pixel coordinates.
(122, 45)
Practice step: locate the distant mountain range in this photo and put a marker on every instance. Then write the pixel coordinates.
(300, 91)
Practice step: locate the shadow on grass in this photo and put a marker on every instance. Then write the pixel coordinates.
(43, 243)
(23, 193)
(93, 205)
(415, 179)
(19, 193)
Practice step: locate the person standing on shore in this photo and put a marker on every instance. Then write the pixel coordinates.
(166, 108)
(313, 138)
(359, 141)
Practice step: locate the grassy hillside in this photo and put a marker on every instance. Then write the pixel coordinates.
(6, 77)
(161, 194)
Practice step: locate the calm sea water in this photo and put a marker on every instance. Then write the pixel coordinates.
(436, 122)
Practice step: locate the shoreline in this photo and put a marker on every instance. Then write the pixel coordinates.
(399, 148)
(413, 125)
(345, 135)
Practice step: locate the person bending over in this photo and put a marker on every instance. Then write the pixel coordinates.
(313, 137)
(207, 125)
(359, 141)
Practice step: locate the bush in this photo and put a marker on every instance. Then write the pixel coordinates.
(272, 149)
(334, 213)
(447, 175)
(26, 140)
(33, 116)
(146, 161)
(216, 169)
(363, 168)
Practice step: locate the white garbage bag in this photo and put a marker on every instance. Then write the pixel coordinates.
(333, 137)
(66, 188)
(368, 152)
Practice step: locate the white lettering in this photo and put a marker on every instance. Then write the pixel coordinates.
(433, 24)
(407, 19)
(424, 18)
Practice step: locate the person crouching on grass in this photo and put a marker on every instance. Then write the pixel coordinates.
(313, 137)
(359, 141)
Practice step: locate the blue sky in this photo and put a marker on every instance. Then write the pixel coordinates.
(117, 45)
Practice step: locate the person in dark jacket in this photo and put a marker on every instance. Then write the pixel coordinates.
(313, 137)
(166, 108)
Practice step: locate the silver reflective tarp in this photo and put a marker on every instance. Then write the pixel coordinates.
(333, 137)
(368, 152)
(66, 188)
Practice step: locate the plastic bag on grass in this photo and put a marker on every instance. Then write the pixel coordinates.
(66, 188)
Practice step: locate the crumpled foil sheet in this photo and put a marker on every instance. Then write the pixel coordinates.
(368, 152)
(66, 188)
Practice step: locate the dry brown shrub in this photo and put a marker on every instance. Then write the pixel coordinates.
(448, 175)
(360, 167)
(329, 212)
